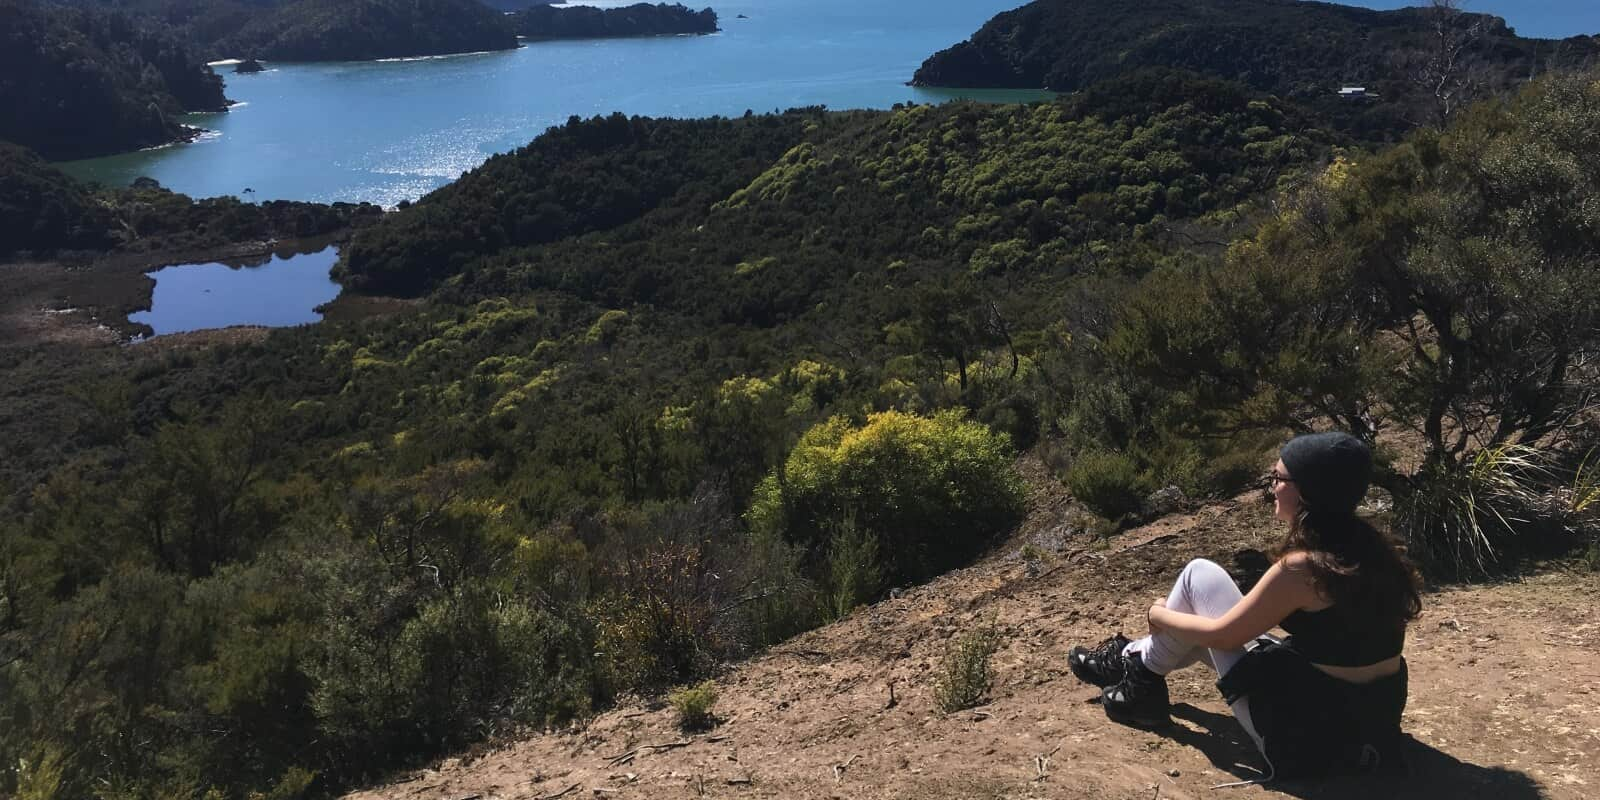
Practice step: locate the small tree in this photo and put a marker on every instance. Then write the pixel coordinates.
(1446, 71)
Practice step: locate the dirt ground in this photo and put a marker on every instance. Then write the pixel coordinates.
(1505, 695)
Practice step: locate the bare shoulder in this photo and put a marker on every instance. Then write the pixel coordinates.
(1294, 569)
(1294, 561)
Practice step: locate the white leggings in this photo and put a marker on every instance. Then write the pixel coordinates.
(1206, 590)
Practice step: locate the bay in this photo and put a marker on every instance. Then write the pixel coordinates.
(386, 131)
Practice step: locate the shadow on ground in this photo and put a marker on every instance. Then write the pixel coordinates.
(1431, 773)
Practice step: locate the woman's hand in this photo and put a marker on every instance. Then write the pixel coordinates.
(1150, 616)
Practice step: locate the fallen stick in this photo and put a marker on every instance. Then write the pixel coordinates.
(1041, 764)
(618, 760)
(1165, 537)
(562, 793)
(803, 653)
(1051, 571)
(838, 769)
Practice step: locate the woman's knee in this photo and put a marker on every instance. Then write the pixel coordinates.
(1203, 576)
(1204, 567)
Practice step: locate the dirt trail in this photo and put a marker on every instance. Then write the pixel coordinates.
(1505, 696)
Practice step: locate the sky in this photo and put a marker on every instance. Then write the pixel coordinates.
(1543, 19)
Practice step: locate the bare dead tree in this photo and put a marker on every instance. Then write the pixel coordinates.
(1445, 70)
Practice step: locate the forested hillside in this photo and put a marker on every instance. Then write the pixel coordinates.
(355, 30)
(1418, 64)
(639, 19)
(673, 382)
(76, 83)
(323, 30)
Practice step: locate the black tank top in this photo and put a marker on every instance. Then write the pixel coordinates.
(1331, 637)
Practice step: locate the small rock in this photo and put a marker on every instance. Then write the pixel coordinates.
(1172, 773)
(1162, 502)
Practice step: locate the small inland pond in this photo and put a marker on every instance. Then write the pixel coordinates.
(275, 291)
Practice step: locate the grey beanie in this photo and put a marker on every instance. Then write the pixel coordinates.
(1331, 470)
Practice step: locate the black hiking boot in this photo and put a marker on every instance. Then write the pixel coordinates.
(1140, 699)
(1101, 665)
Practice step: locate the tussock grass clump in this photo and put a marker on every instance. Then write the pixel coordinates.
(1505, 502)
(694, 705)
(963, 679)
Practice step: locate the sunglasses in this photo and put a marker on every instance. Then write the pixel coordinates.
(1272, 479)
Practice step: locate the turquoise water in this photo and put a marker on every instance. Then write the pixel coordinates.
(387, 131)
(281, 290)
(392, 130)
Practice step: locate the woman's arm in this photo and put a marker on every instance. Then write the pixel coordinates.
(1280, 593)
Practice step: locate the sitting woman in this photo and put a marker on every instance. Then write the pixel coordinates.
(1330, 696)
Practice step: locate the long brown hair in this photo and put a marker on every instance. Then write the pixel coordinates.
(1361, 570)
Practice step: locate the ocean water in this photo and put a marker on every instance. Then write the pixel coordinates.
(386, 131)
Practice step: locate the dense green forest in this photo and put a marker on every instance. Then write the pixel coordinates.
(673, 382)
(1418, 64)
(77, 83)
(639, 19)
(355, 30)
(325, 30)
(44, 212)
(515, 5)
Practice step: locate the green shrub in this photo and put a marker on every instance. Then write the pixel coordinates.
(293, 785)
(694, 705)
(963, 679)
(657, 620)
(1107, 482)
(931, 490)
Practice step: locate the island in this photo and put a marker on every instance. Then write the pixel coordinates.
(361, 30)
(1374, 69)
(588, 22)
